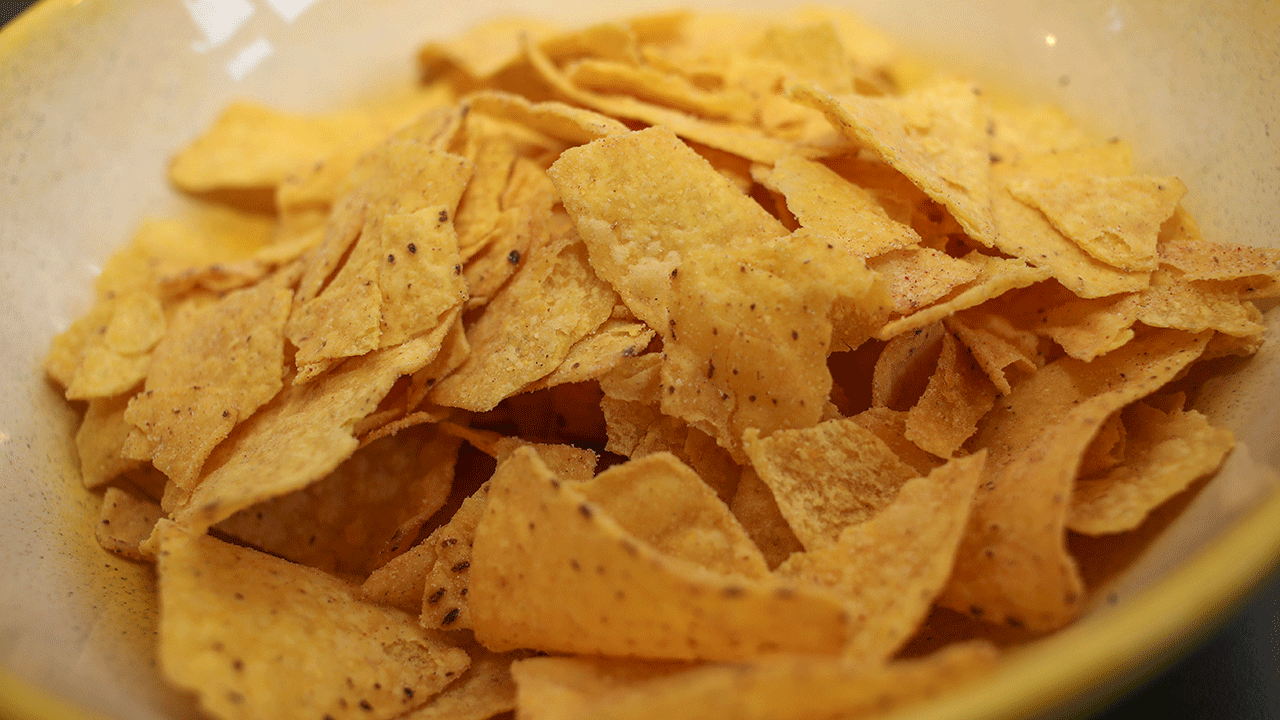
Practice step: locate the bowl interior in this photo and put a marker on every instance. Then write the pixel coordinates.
(98, 94)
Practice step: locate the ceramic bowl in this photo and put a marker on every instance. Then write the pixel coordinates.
(96, 94)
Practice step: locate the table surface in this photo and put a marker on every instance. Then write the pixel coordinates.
(1233, 675)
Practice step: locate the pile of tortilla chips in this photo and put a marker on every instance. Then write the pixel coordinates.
(681, 366)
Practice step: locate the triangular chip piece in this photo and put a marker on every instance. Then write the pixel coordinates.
(241, 628)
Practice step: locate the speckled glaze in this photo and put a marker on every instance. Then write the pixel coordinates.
(96, 94)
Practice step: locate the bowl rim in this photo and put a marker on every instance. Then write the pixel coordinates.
(1114, 651)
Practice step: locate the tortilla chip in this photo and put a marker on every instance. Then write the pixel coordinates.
(125, 522)
(917, 277)
(827, 477)
(565, 122)
(937, 136)
(400, 583)
(757, 511)
(598, 353)
(314, 421)
(575, 556)
(891, 427)
(904, 367)
(811, 52)
(1026, 233)
(211, 372)
(747, 335)
(528, 330)
(114, 355)
(958, 394)
(1197, 305)
(662, 502)
(654, 85)
(1004, 350)
(619, 214)
(1114, 219)
(344, 318)
(364, 513)
(995, 277)
(241, 628)
(1182, 247)
(783, 687)
(485, 690)
(890, 567)
(1021, 130)
(253, 146)
(1036, 437)
(100, 440)
(1164, 453)
(1105, 451)
(843, 213)
(731, 137)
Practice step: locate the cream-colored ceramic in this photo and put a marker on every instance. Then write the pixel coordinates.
(95, 95)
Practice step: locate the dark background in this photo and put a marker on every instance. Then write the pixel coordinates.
(1234, 675)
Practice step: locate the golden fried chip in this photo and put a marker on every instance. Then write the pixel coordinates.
(1182, 247)
(1195, 305)
(841, 212)
(619, 214)
(781, 687)
(1021, 130)
(428, 114)
(100, 439)
(484, 691)
(811, 52)
(663, 503)
(959, 393)
(215, 368)
(1114, 219)
(891, 427)
(314, 421)
(1026, 233)
(401, 582)
(1105, 451)
(936, 136)
(364, 513)
(903, 369)
(665, 88)
(997, 344)
(890, 567)
(125, 522)
(240, 628)
(747, 335)
(528, 330)
(598, 353)
(485, 49)
(827, 477)
(995, 277)
(256, 147)
(67, 350)
(757, 511)
(338, 311)
(418, 279)
(738, 139)
(566, 122)
(444, 603)
(1013, 563)
(542, 542)
(1164, 452)
(1084, 327)
(527, 222)
(112, 358)
(918, 277)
